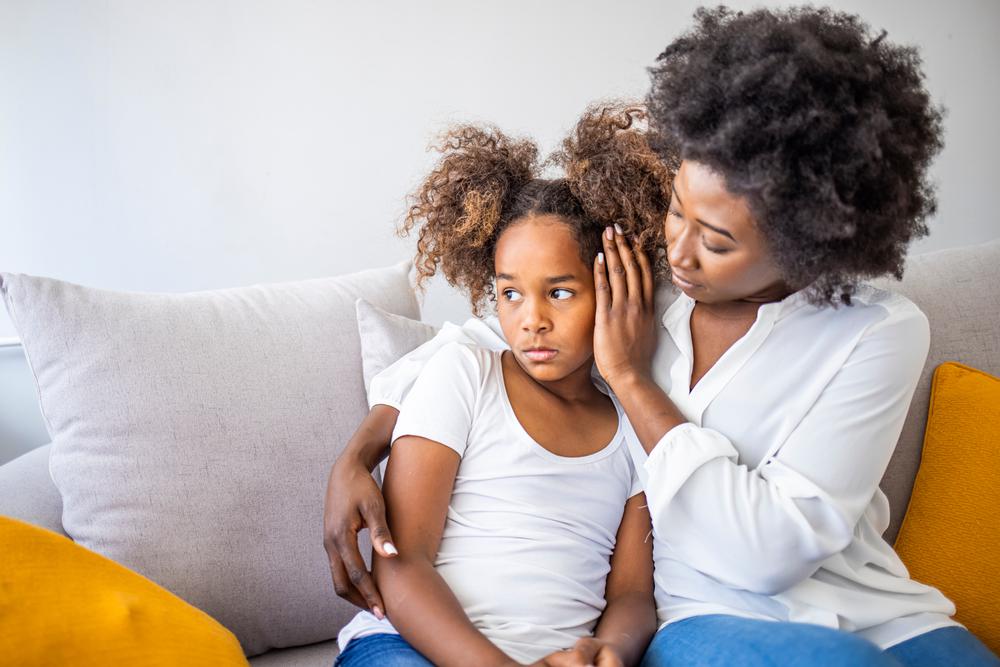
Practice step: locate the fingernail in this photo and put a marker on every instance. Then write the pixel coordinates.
(618, 229)
(378, 612)
(600, 258)
(389, 549)
(608, 234)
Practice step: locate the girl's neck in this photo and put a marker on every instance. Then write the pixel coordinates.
(577, 387)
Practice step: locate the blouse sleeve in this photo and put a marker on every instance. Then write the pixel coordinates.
(768, 528)
(391, 386)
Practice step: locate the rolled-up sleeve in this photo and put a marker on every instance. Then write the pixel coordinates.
(767, 528)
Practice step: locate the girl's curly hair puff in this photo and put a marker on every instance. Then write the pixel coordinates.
(826, 130)
(485, 181)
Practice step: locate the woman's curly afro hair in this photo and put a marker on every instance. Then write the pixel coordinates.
(486, 181)
(826, 130)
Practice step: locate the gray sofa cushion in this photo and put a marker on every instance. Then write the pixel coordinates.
(193, 434)
(29, 494)
(314, 655)
(959, 291)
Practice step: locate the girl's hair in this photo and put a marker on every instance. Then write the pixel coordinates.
(825, 128)
(485, 181)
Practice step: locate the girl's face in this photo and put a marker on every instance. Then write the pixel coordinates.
(545, 298)
(715, 250)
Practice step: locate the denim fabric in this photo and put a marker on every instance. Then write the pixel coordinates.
(381, 650)
(732, 641)
(947, 647)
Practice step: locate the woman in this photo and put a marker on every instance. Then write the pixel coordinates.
(780, 382)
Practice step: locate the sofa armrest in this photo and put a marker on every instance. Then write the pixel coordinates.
(27, 492)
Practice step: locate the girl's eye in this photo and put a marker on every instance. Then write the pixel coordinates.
(561, 294)
(511, 295)
(673, 212)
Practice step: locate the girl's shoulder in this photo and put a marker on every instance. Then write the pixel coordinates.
(464, 359)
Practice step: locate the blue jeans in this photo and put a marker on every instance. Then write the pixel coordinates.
(732, 641)
(382, 650)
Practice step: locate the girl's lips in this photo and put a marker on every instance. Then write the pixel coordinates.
(540, 354)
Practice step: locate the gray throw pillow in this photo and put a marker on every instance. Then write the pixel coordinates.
(193, 434)
(386, 337)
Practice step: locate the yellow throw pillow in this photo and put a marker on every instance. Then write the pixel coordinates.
(62, 604)
(950, 537)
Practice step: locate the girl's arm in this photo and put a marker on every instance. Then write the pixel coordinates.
(418, 486)
(629, 619)
(353, 500)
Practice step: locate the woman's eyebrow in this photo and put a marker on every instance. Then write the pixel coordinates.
(717, 230)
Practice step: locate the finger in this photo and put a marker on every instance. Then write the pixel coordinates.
(608, 659)
(359, 577)
(633, 277)
(373, 514)
(568, 658)
(601, 287)
(616, 272)
(587, 648)
(341, 584)
(648, 286)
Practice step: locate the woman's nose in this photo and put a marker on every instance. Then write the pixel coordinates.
(682, 251)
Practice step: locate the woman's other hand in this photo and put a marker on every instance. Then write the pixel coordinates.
(625, 327)
(353, 502)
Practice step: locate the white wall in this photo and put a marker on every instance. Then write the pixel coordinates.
(168, 146)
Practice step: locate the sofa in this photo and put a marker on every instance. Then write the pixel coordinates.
(958, 289)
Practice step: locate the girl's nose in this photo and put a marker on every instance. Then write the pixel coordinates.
(535, 319)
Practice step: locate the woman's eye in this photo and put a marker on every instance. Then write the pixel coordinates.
(561, 294)
(673, 212)
(511, 295)
(717, 251)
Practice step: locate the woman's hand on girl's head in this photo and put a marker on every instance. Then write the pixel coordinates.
(625, 326)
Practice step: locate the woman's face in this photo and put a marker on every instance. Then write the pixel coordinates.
(715, 250)
(545, 298)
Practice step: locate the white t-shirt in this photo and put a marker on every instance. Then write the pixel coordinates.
(766, 503)
(529, 534)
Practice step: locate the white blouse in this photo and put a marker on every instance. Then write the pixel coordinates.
(766, 504)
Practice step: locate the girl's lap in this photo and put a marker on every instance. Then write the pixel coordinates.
(741, 642)
(384, 650)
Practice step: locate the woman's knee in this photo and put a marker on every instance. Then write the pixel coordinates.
(740, 642)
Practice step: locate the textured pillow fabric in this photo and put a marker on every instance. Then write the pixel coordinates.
(959, 291)
(386, 337)
(950, 537)
(193, 434)
(61, 604)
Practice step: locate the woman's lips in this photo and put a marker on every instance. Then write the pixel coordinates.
(539, 354)
(682, 283)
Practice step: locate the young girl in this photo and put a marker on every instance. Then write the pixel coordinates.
(510, 489)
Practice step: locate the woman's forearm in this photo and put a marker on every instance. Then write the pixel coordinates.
(370, 442)
(429, 616)
(649, 409)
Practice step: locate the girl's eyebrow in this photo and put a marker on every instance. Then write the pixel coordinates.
(567, 277)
